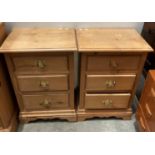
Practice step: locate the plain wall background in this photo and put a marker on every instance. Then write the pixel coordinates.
(137, 25)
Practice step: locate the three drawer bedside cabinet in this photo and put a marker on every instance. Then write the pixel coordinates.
(111, 61)
(145, 114)
(8, 110)
(41, 65)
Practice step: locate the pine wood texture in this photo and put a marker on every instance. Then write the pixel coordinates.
(44, 63)
(111, 61)
(39, 39)
(41, 66)
(110, 82)
(48, 101)
(42, 83)
(114, 40)
(8, 111)
(146, 110)
(106, 101)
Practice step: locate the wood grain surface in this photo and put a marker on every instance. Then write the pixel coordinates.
(111, 40)
(39, 39)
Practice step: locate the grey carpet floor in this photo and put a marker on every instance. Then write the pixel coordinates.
(93, 125)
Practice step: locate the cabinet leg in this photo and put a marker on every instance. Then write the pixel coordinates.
(126, 117)
(72, 119)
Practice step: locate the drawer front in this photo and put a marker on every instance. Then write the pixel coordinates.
(43, 83)
(148, 108)
(141, 121)
(40, 64)
(45, 101)
(113, 63)
(106, 101)
(147, 103)
(110, 82)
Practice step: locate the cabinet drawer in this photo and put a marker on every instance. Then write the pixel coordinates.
(43, 83)
(148, 108)
(110, 82)
(147, 104)
(113, 63)
(141, 121)
(107, 101)
(45, 101)
(40, 64)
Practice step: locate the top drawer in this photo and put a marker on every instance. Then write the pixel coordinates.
(113, 63)
(38, 64)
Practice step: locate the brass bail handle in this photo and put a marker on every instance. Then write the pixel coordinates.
(107, 103)
(40, 64)
(110, 83)
(45, 103)
(44, 84)
(113, 64)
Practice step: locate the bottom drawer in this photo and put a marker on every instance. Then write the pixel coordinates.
(149, 116)
(107, 101)
(45, 101)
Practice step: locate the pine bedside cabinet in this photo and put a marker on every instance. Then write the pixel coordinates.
(8, 110)
(41, 65)
(145, 114)
(111, 63)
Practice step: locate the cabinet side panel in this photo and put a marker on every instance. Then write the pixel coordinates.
(6, 96)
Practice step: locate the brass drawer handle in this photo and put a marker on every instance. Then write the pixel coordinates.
(107, 103)
(40, 64)
(44, 84)
(148, 110)
(110, 84)
(142, 124)
(114, 64)
(46, 103)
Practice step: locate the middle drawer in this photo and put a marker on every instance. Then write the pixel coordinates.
(110, 82)
(42, 83)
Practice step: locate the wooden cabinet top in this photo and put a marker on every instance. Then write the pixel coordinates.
(39, 39)
(111, 40)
